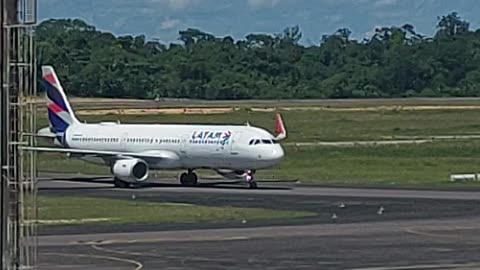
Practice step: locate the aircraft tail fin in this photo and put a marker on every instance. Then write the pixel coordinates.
(60, 113)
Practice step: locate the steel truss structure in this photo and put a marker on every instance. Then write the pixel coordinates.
(18, 212)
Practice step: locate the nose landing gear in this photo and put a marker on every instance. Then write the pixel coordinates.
(250, 179)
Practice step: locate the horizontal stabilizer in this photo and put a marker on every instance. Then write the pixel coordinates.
(46, 133)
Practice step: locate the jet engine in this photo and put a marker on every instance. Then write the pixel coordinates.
(229, 174)
(130, 170)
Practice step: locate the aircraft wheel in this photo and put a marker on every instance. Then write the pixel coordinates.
(183, 179)
(194, 178)
(118, 183)
(189, 179)
(250, 179)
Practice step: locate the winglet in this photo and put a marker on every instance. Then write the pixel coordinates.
(280, 130)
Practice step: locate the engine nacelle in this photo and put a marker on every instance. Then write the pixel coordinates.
(131, 170)
(229, 174)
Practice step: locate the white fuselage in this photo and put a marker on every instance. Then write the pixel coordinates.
(187, 146)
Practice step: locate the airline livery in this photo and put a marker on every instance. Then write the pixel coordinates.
(131, 150)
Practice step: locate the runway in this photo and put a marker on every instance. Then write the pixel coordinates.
(372, 229)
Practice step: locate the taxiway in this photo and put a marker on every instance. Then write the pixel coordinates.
(354, 229)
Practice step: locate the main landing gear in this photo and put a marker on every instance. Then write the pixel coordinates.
(118, 183)
(189, 178)
(250, 179)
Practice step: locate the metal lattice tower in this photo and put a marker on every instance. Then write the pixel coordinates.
(17, 124)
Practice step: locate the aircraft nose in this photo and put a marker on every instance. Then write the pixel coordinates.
(277, 153)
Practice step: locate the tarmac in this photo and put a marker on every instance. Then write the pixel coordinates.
(376, 229)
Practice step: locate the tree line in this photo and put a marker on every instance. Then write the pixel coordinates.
(395, 62)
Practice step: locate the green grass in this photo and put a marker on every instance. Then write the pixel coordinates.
(307, 126)
(59, 163)
(423, 165)
(81, 210)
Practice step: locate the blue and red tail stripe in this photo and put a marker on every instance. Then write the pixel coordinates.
(58, 113)
(58, 125)
(53, 93)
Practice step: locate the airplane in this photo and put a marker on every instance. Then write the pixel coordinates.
(132, 150)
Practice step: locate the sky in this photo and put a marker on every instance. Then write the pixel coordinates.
(162, 19)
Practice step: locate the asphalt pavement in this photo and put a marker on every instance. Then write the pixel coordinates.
(353, 229)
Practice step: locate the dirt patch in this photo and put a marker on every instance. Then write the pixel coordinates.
(263, 109)
(383, 108)
(73, 221)
(223, 110)
(157, 111)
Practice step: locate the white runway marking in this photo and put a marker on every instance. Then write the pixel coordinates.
(139, 265)
(468, 266)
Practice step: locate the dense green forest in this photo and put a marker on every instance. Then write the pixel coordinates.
(394, 62)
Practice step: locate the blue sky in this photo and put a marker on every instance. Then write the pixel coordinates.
(162, 19)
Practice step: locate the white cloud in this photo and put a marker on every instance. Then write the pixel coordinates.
(120, 22)
(390, 14)
(257, 4)
(176, 4)
(371, 33)
(383, 3)
(169, 24)
(179, 4)
(334, 18)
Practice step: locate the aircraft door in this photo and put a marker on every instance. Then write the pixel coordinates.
(184, 145)
(123, 141)
(235, 146)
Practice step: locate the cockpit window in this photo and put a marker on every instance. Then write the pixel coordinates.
(258, 141)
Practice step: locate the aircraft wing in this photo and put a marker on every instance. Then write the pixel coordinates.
(154, 154)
